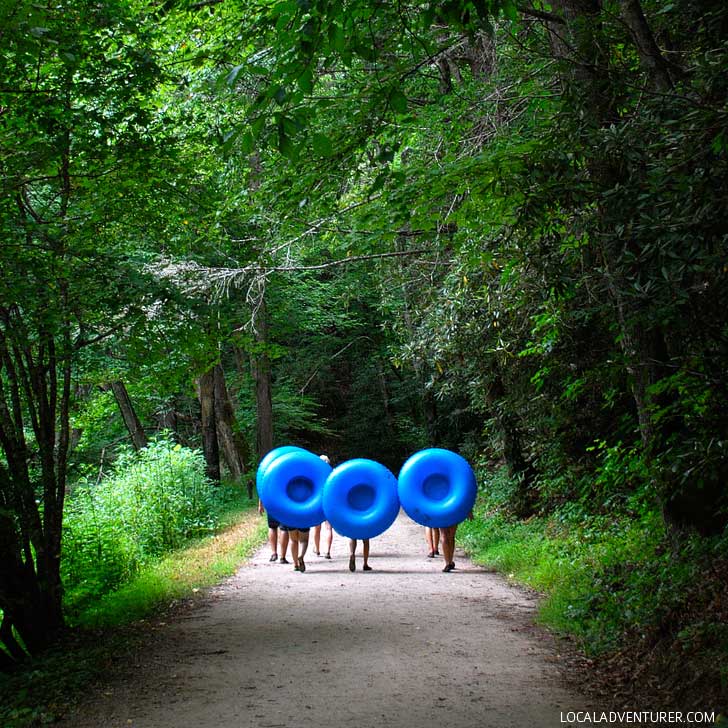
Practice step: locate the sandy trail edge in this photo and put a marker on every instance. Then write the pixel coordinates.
(399, 646)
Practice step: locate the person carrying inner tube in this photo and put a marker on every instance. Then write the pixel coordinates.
(299, 544)
(365, 552)
(327, 527)
(277, 541)
(447, 541)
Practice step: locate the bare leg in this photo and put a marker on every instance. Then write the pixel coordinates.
(273, 541)
(303, 543)
(447, 540)
(352, 551)
(431, 543)
(294, 548)
(365, 549)
(329, 538)
(317, 540)
(436, 540)
(283, 546)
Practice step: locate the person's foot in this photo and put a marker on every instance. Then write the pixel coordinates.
(431, 555)
(449, 567)
(318, 553)
(437, 552)
(283, 560)
(352, 563)
(302, 565)
(274, 557)
(328, 556)
(452, 564)
(366, 567)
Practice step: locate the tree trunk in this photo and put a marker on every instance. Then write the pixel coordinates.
(35, 389)
(138, 438)
(481, 56)
(577, 43)
(233, 445)
(650, 55)
(210, 445)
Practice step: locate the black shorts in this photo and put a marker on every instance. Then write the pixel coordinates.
(272, 523)
(292, 528)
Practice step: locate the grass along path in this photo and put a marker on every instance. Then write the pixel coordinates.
(116, 626)
(180, 574)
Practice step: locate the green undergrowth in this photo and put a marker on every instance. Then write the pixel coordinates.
(115, 623)
(594, 572)
(180, 573)
(621, 586)
(148, 504)
(617, 583)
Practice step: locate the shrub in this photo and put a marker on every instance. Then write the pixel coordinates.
(152, 502)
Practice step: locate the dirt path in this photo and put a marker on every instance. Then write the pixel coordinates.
(399, 646)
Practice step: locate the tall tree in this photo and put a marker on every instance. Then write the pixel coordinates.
(74, 131)
(129, 415)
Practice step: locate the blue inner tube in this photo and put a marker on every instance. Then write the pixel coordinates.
(267, 460)
(437, 488)
(360, 498)
(292, 488)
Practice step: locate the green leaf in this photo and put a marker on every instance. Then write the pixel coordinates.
(279, 94)
(510, 10)
(306, 81)
(229, 139)
(247, 142)
(398, 101)
(322, 145)
(287, 148)
(378, 182)
(337, 38)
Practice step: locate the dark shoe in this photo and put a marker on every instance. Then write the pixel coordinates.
(318, 553)
(273, 557)
(437, 552)
(352, 563)
(283, 560)
(452, 564)
(431, 555)
(449, 567)
(328, 556)
(366, 567)
(301, 564)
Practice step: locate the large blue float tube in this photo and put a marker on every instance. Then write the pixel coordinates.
(292, 488)
(437, 488)
(267, 459)
(360, 498)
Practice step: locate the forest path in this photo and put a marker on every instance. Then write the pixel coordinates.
(400, 646)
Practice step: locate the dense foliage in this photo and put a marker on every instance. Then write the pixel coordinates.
(152, 502)
(367, 228)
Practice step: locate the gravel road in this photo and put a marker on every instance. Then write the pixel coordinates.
(400, 646)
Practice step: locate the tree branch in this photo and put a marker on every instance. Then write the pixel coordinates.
(321, 266)
(541, 15)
